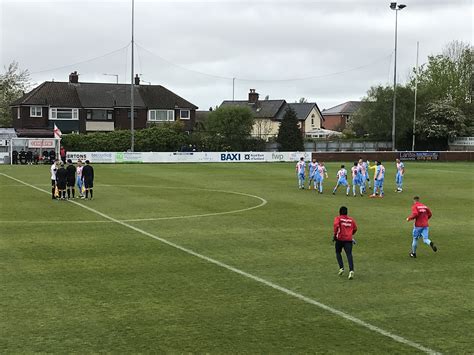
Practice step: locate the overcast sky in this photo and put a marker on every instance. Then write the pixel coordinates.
(336, 48)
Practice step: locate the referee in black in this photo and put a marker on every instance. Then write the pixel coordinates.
(71, 179)
(88, 179)
(61, 178)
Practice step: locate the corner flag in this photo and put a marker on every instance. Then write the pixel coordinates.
(57, 132)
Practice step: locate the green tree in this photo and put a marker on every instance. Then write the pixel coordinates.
(447, 76)
(374, 117)
(442, 121)
(289, 134)
(13, 82)
(229, 127)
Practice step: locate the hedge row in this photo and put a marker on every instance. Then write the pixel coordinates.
(160, 138)
(163, 138)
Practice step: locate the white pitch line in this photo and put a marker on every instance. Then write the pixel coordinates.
(20, 222)
(263, 202)
(258, 279)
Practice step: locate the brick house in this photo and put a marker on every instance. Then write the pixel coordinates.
(91, 107)
(336, 118)
(269, 113)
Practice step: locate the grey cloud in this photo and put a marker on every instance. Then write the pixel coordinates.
(245, 39)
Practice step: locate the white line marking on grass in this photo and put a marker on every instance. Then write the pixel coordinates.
(286, 291)
(20, 222)
(263, 202)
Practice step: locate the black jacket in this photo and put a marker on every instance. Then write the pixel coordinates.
(61, 174)
(87, 172)
(71, 172)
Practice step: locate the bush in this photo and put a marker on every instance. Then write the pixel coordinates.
(159, 138)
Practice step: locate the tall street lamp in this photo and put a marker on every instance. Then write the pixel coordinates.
(394, 6)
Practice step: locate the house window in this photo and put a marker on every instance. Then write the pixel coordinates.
(64, 114)
(312, 121)
(135, 114)
(184, 114)
(99, 115)
(36, 111)
(160, 115)
(18, 113)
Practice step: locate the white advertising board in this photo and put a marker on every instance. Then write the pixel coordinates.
(188, 157)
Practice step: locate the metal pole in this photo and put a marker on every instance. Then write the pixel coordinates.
(416, 89)
(233, 89)
(132, 115)
(394, 84)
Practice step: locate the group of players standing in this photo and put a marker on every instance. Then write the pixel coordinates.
(360, 177)
(64, 179)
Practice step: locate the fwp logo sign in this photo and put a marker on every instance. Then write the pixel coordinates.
(230, 156)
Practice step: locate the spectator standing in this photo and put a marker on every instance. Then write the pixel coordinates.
(62, 154)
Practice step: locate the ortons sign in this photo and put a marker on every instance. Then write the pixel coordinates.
(188, 157)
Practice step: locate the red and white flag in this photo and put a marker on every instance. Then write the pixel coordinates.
(57, 132)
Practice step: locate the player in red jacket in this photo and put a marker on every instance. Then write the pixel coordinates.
(421, 214)
(344, 228)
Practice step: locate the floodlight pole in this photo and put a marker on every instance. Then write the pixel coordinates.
(397, 8)
(132, 98)
(233, 89)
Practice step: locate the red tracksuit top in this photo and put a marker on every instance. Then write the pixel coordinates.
(344, 228)
(421, 214)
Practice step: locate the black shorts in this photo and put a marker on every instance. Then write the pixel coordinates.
(61, 184)
(70, 182)
(347, 246)
(88, 183)
(53, 183)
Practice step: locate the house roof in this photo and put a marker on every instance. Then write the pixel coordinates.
(102, 95)
(157, 96)
(302, 110)
(99, 95)
(35, 132)
(261, 109)
(346, 108)
(51, 93)
(7, 133)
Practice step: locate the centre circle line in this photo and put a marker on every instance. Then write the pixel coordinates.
(262, 203)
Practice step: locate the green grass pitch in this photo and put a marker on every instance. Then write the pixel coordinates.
(72, 280)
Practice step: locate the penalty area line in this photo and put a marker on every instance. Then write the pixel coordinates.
(258, 279)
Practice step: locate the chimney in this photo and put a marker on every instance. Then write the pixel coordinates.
(253, 96)
(74, 77)
(137, 79)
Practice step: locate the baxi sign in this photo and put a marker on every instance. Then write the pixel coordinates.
(230, 156)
